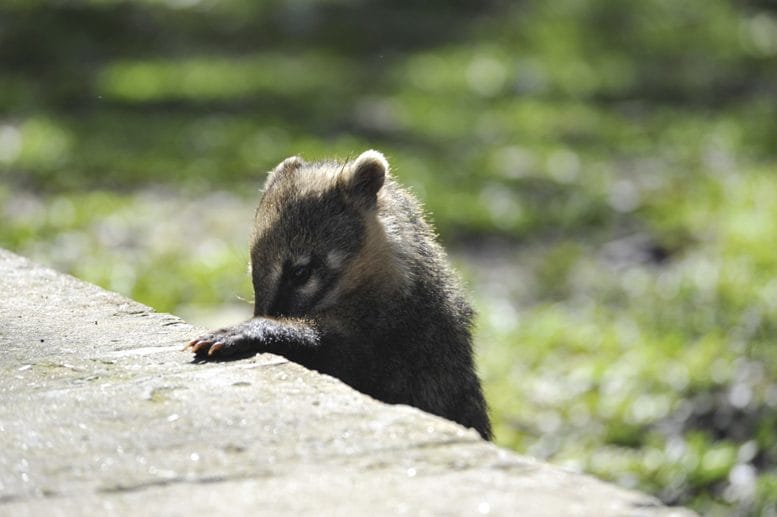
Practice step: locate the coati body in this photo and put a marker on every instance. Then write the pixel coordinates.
(349, 280)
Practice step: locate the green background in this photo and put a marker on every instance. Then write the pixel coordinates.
(602, 172)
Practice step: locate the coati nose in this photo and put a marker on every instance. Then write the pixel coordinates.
(275, 313)
(276, 310)
(284, 306)
(285, 313)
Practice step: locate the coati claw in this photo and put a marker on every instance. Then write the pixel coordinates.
(199, 346)
(230, 341)
(202, 347)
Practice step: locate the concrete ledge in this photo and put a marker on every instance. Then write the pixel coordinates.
(101, 413)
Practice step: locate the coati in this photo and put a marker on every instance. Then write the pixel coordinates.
(349, 280)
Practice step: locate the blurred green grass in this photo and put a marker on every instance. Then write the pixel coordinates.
(603, 172)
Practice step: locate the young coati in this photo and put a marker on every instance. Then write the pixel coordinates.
(349, 280)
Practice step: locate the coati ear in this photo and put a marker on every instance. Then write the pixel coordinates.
(287, 166)
(363, 178)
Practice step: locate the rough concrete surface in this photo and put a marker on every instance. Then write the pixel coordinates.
(101, 413)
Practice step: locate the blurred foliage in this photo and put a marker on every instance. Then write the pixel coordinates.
(604, 172)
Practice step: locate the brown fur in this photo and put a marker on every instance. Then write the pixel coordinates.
(349, 280)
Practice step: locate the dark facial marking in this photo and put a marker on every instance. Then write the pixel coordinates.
(307, 227)
(300, 274)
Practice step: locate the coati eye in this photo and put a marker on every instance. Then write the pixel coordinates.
(300, 274)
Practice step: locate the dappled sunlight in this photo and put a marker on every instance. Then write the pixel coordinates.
(42, 142)
(226, 78)
(10, 143)
(602, 173)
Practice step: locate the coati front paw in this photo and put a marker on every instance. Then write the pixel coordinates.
(222, 343)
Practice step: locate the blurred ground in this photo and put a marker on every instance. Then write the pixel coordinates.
(603, 173)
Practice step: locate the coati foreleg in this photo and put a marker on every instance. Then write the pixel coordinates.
(257, 335)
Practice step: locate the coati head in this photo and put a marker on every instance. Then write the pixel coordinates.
(316, 229)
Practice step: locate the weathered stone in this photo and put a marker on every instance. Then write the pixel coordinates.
(102, 413)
